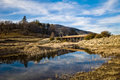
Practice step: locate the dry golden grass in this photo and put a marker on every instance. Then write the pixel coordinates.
(105, 46)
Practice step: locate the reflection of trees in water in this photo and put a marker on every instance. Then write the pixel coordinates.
(24, 59)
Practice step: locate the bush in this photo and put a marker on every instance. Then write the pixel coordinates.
(57, 38)
(105, 34)
(51, 39)
(90, 36)
(64, 40)
(98, 36)
(94, 35)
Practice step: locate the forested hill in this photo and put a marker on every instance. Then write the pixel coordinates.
(38, 29)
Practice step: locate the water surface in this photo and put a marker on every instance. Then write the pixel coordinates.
(48, 66)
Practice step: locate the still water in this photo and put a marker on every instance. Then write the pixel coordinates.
(48, 67)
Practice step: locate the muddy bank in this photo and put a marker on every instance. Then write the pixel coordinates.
(30, 46)
(45, 46)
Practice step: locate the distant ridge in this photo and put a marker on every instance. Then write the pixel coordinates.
(69, 30)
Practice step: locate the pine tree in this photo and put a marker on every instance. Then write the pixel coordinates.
(24, 20)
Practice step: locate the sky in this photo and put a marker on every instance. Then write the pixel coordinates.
(89, 15)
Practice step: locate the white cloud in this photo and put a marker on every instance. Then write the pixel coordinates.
(108, 6)
(63, 18)
(102, 9)
(23, 7)
(63, 7)
(59, 6)
(35, 8)
(111, 24)
(110, 20)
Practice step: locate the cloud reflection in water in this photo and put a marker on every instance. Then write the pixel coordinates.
(48, 67)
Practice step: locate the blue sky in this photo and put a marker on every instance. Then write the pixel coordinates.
(90, 15)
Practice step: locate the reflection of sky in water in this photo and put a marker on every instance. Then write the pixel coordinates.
(47, 68)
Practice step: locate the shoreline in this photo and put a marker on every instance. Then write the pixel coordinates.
(106, 47)
(108, 71)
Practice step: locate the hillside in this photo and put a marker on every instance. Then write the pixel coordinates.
(69, 30)
(37, 29)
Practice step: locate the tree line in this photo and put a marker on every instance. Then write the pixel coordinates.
(37, 28)
(26, 28)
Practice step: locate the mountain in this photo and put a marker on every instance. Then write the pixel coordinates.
(69, 30)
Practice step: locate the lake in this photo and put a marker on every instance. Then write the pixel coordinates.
(48, 67)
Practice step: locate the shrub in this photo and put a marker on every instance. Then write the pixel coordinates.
(98, 36)
(94, 35)
(105, 34)
(90, 36)
(57, 38)
(64, 40)
(51, 38)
